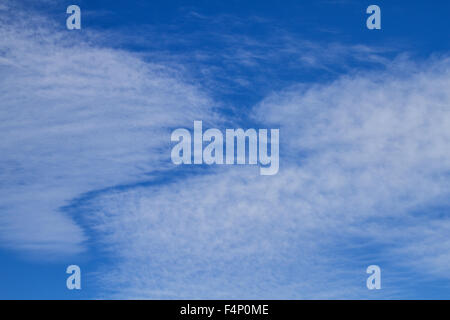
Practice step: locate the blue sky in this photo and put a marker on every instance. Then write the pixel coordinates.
(85, 170)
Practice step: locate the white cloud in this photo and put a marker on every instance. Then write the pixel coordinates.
(360, 156)
(76, 117)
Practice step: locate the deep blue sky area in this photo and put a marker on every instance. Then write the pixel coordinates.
(237, 52)
(183, 28)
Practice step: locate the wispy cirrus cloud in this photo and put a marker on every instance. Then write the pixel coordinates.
(76, 117)
(229, 60)
(364, 160)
